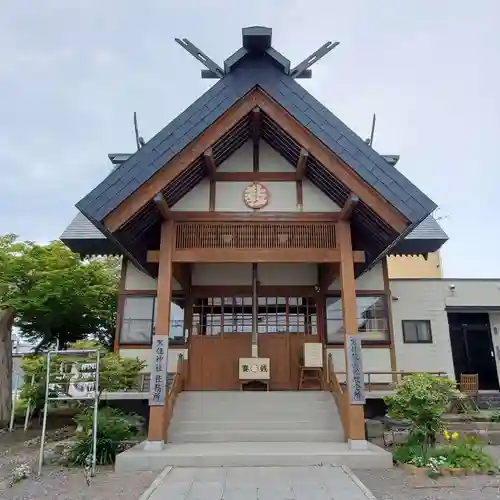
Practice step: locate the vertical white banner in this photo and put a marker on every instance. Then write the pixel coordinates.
(158, 384)
(355, 374)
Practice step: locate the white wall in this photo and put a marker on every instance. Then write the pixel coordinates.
(371, 280)
(241, 274)
(137, 280)
(424, 300)
(221, 274)
(197, 200)
(229, 195)
(374, 359)
(145, 355)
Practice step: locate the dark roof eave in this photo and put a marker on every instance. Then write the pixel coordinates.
(248, 74)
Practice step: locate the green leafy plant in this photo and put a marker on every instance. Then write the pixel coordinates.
(495, 416)
(466, 452)
(113, 428)
(421, 400)
(457, 452)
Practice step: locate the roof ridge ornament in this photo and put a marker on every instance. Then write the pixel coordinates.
(255, 40)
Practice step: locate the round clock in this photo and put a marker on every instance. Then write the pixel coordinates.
(256, 196)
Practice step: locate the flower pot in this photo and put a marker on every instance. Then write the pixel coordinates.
(458, 471)
(414, 470)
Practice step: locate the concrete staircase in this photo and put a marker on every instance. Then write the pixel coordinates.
(230, 428)
(232, 417)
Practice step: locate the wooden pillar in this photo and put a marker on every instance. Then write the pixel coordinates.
(156, 430)
(388, 298)
(355, 413)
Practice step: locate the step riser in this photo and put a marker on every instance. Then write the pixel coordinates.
(255, 414)
(261, 426)
(157, 462)
(254, 436)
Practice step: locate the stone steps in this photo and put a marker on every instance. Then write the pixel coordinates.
(256, 436)
(239, 428)
(244, 454)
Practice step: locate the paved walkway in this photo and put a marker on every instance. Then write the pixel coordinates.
(258, 483)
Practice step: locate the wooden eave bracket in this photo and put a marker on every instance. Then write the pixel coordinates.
(208, 158)
(348, 208)
(182, 274)
(302, 164)
(162, 206)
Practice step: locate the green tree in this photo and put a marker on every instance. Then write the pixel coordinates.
(53, 297)
(422, 399)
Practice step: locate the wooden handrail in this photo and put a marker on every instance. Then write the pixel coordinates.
(174, 390)
(339, 395)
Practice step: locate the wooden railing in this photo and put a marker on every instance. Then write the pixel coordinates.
(339, 395)
(177, 386)
(254, 235)
(395, 376)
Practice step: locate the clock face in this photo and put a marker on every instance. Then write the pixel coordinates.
(256, 196)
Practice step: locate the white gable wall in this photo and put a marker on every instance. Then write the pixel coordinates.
(137, 280)
(283, 195)
(371, 280)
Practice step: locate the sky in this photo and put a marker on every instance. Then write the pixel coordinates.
(73, 72)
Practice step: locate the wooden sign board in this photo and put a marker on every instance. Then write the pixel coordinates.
(313, 355)
(355, 373)
(158, 384)
(254, 368)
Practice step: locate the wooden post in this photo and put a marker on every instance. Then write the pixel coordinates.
(156, 429)
(355, 413)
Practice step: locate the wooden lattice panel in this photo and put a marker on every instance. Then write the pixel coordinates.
(248, 236)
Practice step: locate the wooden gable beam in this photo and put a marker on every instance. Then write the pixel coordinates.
(302, 164)
(162, 206)
(332, 163)
(182, 161)
(208, 158)
(256, 125)
(348, 208)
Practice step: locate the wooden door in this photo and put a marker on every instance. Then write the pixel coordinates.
(214, 360)
(276, 347)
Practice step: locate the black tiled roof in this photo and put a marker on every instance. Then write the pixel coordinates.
(250, 72)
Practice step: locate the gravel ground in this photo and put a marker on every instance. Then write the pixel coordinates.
(397, 484)
(61, 483)
(70, 484)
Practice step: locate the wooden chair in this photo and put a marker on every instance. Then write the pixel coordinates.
(469, 387)
(311, 375)
(469, 393)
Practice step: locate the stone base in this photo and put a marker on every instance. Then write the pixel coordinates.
(358, 444)
(241, 454)
(153, 445)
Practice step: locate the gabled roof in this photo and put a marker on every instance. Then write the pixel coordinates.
(267, 71)
(252, 71)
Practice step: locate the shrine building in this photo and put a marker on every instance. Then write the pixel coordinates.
(253, 224)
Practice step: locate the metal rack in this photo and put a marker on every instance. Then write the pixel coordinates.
(91, 364)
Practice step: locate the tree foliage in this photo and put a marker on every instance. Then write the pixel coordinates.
(422, 399)
(56, 296)
(52, 296)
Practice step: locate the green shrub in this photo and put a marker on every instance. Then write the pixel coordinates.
(495, 416)
(461, 452)
(421, 399)
(113, 427)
